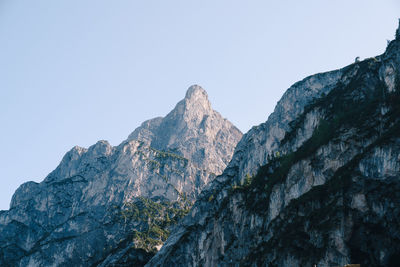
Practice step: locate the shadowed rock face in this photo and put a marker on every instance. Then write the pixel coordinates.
(317, 183)
(111, 206)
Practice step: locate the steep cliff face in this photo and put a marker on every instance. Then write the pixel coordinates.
(111, 206)
(318, 183)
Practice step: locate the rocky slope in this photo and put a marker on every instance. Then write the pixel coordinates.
(318, 183)
(113, 206)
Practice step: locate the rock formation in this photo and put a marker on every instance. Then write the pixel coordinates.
(114, 206)
(193, 130)
(317, 184)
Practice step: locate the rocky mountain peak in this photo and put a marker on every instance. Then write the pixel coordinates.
(196, 93)
(105, 205)
(194, 106)
(193, 130)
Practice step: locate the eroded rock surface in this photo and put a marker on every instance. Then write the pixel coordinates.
(317, 183)
(113, 206)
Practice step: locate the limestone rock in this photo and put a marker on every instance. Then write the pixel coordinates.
(316, 184)
(110, 205)
(193, 130)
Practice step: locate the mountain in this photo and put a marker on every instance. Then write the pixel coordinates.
(193, 130)
(317, 184)
(115, 206)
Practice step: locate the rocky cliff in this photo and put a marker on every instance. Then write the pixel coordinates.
(114, 206)
(317, 183)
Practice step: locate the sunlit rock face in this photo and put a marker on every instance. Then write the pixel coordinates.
(193, 130)
(111, 206)
(317, 184)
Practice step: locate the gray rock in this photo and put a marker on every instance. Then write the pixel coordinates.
(193, 130)
(83, 213)
(316, 184)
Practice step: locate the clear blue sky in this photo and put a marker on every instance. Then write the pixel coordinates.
(73, 72)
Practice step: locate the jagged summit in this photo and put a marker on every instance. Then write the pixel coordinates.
(104, 205)
(196, 101)
(193, 107)
(193, 130)
(195, 91)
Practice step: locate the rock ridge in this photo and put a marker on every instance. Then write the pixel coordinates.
(313, 185)
(114, 206)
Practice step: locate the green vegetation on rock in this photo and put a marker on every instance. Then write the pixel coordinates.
(155, 220)
(342, 109)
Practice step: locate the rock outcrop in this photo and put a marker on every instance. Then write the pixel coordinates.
(114, 206)
(317, 184)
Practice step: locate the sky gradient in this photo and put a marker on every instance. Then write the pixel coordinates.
(73, 72)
